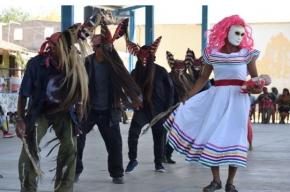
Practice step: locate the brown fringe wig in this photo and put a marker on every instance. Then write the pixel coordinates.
(124, 86)
(181, 79)
(193, 64)
(145, 68)
(144, 76)
(182, 83)
(69, 61)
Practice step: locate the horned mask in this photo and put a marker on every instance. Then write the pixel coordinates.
(105, 38)
(145, 52)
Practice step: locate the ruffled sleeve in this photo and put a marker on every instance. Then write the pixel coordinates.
(244, 56)
(206, 58)
(253, 55)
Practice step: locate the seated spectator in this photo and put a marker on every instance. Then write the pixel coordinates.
(275, 93)
(266, 105)
(4, 125)
(284, 105)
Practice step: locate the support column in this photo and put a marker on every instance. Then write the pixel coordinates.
(88, 11)
(204, 27)
(67, 16)
(131, 38)
(149, 24)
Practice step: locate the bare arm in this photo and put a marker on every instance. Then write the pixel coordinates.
(20, 126)
(21, 106)
(279, 100)
(201, 81)
(252, 69)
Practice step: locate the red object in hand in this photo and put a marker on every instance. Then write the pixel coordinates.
(256, 83)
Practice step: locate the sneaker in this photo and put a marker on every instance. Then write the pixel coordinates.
(169, 160)
(214, 185)
(160, 168)
(118, 180)
(282, 122)
(131, 166)
(230, 188)
(8, 135)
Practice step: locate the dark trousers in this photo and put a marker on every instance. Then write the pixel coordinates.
(112, 137)
(140, 118)
(168, 151)
(266, 114)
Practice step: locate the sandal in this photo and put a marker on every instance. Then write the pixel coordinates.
(230, 188)
(214, 185)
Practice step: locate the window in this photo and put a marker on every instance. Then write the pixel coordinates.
(18, 34)
(48, 31)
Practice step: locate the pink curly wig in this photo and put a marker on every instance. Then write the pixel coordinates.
(219, 33)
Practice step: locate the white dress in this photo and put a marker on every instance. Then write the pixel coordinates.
(211, 127)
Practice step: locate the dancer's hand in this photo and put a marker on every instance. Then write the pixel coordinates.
(137, 106)
(20, 128)
(183, 99)
(80, 111)
(255, 90)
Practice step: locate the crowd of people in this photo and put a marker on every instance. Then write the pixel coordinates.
(270, 107)
(73, 92)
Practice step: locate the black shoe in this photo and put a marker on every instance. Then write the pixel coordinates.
(230, 188)
(214, 185)
(160, 168)
(118, 180)
(169, 160)
(1, 177)
(131, 166)
(77, 177)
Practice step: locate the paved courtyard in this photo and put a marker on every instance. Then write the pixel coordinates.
(268, 166)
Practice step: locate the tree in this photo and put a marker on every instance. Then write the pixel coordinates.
(13, 14)
(51, 16)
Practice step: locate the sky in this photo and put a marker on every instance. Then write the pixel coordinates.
(170, 11)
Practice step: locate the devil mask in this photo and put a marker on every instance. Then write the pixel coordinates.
(106, 39)
(144, 53)
(180, 66)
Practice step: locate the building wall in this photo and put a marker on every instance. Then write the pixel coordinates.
(1, 31)
(272, 39)
(33, 32)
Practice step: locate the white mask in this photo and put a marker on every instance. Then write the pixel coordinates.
(236, 34)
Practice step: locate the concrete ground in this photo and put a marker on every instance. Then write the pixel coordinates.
(268, 166)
